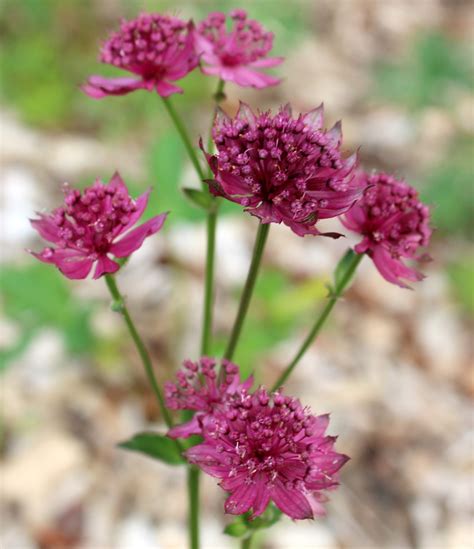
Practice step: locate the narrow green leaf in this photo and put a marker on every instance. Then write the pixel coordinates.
(200, 198)
(155, 446)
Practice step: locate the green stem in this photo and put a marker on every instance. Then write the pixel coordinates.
(193, 505)
(185, 137)
(211, 223)
(259, 246)
(246, 542)
(121, 307)
(335, 295)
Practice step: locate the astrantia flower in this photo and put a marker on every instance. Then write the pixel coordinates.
(394, 224)
(92, 225)
(269, 448)
(202, 389)
(283, 168)
(157, 48)
(234, 55)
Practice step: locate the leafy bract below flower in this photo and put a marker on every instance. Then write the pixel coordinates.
(159, 49)
(235, 55)
(87, 228)
(282, 168)
(268, 447)
(202, 389)
(394, 224)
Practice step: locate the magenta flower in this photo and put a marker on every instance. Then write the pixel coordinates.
(86, 229)
(236, 55)
(204, 390)
(283, 169)
(268, 447)
(159, 49)
(394, 223)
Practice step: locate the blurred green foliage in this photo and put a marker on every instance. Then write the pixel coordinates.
(37, 297)
(462, 277)
(449, 188)
(278, 308)
(427, 74)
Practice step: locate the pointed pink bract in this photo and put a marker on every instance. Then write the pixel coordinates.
(92, 225)
(283, 169)
(158, 49)
(267, 447)
(201, 388)
(394, 224)
(235, 55)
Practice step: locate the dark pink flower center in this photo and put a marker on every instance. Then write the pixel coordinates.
(145, 44)
(395, 215)
(90, 220)
(198, 386)
(279, 158)
(257, 438)
(245, 42)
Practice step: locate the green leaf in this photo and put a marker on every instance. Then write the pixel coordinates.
(156, 446)
(199, 198)
(342, 266)
(35, 296)
(236, 529)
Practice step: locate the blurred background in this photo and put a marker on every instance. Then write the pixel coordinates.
(392, 367)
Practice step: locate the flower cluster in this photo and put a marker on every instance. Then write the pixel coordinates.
(161, 49)
(283, 168)
(394, 224)
(87, 228)
(157, 48)
(264, 447)
(236, 54)
(202, 389)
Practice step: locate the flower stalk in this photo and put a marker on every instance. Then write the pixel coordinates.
(340, 285)
(257, 255)
(246, 542)
(119, 306)
(211, 223)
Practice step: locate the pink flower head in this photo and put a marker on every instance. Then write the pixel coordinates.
(394, 223)
(236, 55)
(268, 447)
(282, 168)
(87, 228)
(157, 48)
(204, 390)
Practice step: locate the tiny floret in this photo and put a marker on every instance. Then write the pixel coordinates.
(267, 447)
(202, 388)
(236, 55)
(91, 226)
(283, 169)
(159, 49)
(394, 224)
